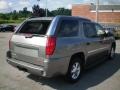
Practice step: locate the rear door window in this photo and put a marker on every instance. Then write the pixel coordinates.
(90, 30)
(68, 28)
(35, 27)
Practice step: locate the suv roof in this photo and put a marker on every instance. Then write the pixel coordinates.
(59, 16)
(41, 18)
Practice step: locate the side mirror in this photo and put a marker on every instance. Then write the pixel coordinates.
(101, 33)
(108, 33)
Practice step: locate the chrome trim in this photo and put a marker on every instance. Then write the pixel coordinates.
(97, 49)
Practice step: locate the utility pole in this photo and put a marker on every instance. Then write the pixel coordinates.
(46, 12)
(97, 11)
(10, 8)
(46, 9)
(38, 2)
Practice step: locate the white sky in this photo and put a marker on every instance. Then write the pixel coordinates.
(9, 5)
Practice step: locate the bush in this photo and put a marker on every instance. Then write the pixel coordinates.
(10, 21)
(5, 21)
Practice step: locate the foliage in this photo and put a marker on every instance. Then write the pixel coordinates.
(24, 13)
(61, 11)
(10, 21)
(18, 16)
(37, 11)
(4, 17)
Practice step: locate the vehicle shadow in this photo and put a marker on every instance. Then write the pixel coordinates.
(90, 78)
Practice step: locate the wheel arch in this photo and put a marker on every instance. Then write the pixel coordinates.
(114, 45)
(82, 58)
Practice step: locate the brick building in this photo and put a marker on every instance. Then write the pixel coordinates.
(107, 13)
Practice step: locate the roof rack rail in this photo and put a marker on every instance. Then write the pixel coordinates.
(33, 17)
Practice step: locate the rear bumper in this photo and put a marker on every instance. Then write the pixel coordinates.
(37, 70)
(50, 68)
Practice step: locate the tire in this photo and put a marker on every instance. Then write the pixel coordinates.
(112, 53)
(74, 70)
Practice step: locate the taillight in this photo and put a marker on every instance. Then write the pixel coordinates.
(50, 46)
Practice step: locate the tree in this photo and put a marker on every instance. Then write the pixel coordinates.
(37, 11)
(61, 11)
(14, 15)
(24, 13)
(4, 17)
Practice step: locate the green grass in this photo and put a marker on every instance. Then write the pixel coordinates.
(10, 21)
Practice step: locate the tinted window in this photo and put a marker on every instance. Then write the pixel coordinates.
(35, 27)
(89, 30)
(68, 28)
(98, 27)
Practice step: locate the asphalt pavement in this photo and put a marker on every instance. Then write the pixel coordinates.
(105, 76)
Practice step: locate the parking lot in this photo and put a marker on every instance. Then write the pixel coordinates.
(105, 76)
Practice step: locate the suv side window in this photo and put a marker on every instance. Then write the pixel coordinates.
(68, 28)
(99, 29)
(89, 30)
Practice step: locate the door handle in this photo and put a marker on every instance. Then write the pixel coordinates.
(88, 43)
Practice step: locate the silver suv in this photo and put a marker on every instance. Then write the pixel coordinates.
(61, 45)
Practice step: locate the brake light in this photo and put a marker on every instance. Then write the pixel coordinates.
(50, 46)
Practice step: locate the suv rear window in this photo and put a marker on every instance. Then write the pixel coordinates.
(35, 27)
